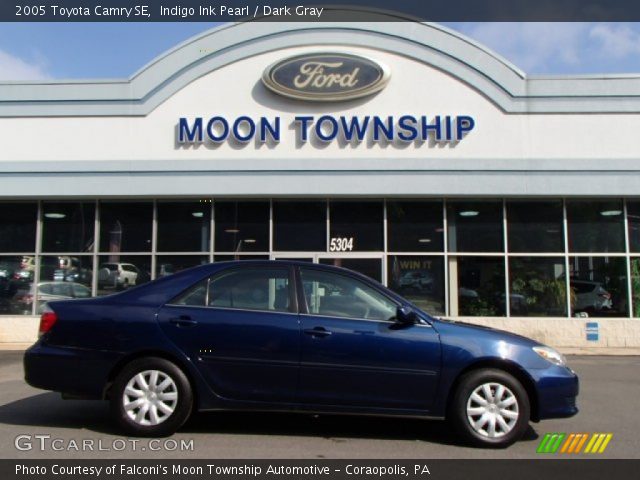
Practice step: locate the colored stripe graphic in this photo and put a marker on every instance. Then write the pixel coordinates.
(550, 443)
(572, 443)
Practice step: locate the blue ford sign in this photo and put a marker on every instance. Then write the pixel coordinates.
(325, 77)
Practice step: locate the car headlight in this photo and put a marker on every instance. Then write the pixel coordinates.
(551, 355)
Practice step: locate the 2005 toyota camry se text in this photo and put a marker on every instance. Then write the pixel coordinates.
(284, 335)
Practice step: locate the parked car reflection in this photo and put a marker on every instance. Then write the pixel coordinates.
(46, 292)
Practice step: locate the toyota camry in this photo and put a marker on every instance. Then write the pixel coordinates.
(284, 335)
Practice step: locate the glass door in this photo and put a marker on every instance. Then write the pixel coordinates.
(371, 267)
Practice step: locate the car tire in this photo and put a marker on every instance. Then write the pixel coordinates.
(151, 397)
(490, 409)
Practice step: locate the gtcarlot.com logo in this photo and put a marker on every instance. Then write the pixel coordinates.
(572, 443)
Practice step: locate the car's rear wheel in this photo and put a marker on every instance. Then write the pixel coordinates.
(490, 408)
(151, 397)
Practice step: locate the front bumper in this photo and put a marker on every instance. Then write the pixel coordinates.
(558, 389)
(72, 371)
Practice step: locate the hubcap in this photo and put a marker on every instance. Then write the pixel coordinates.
(150, 397)
(492, 410)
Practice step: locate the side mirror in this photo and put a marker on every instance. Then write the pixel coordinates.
(406, 316)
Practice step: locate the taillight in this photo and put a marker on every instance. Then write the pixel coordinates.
(47, 320)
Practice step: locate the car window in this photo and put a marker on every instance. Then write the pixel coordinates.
(337, 295)
(80, 291)
(46, 288)
(247, 288)
(61, 289)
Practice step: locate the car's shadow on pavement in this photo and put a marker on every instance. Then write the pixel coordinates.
(50, 411)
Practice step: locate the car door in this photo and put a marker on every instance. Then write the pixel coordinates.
(354, 354)
(241, 329)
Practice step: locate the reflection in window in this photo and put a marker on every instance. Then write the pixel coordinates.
(599, 286)
(119, 272)
(414, 226)
(475, 226)
(63, 278)
(68, 227)
(420, 280)
(477, 286)
(595, 225)
(355, 226)
(336, 295)
(184, 226)
(538, 287)
(633, 218)
(242, 226)
(230, 258)
(169, 264)
(18, 227)
(535, 226)
(300, 226)
(125, 227)
(635, 285)
(16, 275)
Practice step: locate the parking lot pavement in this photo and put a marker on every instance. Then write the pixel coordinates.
(610, 389)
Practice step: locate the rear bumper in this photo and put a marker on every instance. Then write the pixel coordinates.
(72, 371)
(558, 389)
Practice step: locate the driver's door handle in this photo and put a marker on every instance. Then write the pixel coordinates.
(318, 332)
(183, 321)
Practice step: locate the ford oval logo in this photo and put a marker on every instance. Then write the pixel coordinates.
(326, 77)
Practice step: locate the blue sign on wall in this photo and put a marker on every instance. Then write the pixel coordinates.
(592, 331)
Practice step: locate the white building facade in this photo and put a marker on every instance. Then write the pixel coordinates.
(477, 192)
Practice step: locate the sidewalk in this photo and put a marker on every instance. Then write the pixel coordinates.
(607, 351)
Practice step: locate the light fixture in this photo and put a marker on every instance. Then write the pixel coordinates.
(231, 230)
(424, 240)
(249, 240)
(469, 213)
(611, 213)
(198, 214)
(439, 230)
(55, 215)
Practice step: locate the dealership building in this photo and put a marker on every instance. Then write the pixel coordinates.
(404, 151)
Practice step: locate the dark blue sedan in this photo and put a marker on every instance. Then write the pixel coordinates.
(275, 335)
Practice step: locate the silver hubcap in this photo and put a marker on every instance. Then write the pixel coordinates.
(150, 397)
(492, 410)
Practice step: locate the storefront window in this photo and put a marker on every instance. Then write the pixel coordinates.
(538, 287)
(414, 226)
(595, 226)
(184, 226)
(599, 286)
(169, 264)
(420, 280)
(241, 226)
(477, 286)
(125, 227)
(356, 226)
(535, 226)
(68, 227)
(230, 258)
(635, 285)
(18, 227)
(475, 226)
(119, 272)
(300, 226)
(63, 277)
(633, 218)
(16, 275)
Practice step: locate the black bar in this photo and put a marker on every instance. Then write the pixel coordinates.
(336, 10)
(419, 469)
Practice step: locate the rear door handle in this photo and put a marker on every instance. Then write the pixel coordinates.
(318, 332)
(183, 321)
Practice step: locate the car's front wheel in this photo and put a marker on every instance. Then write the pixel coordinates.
(151, 397)
(490, 408)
